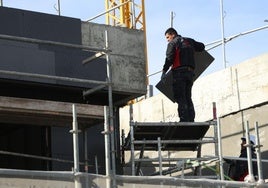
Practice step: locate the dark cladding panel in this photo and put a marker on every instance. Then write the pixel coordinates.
(14, 24)
(26, 58)
(66, 61)
(44, 59)
(69, 64)
(40, 26)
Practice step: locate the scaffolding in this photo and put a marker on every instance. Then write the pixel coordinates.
(185, 136)
(109, 119)
(162, 136)
(173, 136)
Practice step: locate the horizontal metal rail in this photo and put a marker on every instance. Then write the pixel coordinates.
(30, 174)
(242, 159)
(39, 157)
(173, 141)
(132, 180)
(47, 42)
(173, 123)
(166, 159)
(204, 177)
(42, 76)
(185, 181)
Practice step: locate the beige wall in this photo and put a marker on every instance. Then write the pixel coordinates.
(240, 93)
(233, 89)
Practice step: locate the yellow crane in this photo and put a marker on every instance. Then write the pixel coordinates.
(126, 13)
(130, 14)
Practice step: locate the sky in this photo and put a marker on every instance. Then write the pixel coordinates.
(197, 19)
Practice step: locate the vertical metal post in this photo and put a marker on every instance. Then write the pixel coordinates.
(85, 149)
(222, 32)
(132, 149)
(85, 155)
(131, 112)
(75, 148)
(214, 111)
(218, 143)
(1, 3)
(111, 115)
(96, 164)
(133, 15)
(48, 148)
(122, 147)
(159, 155)
(107, 147)
(249, 155)
(182, 169)
(258, 149)
(59, 8)
(220, 149)
(171, 18)
(150, 91)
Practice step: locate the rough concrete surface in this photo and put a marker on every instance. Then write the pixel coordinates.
(127, 55)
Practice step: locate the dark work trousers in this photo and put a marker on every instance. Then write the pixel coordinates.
(182, 89)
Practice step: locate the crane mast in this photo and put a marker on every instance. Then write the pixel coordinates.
(125, 13)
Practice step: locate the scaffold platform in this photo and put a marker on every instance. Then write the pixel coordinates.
(165, 136)
(174, 136)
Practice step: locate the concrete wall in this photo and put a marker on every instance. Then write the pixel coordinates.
(240, 93)
(127, 56)
(233, 89)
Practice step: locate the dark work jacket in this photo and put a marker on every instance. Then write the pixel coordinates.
(241, 167)
(180, 52)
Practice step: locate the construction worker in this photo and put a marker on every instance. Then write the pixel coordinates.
(240, 167)
(180, 57)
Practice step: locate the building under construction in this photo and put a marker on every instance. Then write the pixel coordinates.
(50, 62)
(63, 82)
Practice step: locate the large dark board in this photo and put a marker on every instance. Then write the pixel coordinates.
(47, 59)
(202, 59)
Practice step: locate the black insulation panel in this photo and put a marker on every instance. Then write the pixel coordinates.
(49, 60)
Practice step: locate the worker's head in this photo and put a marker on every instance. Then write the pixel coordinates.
(244, 141)
(170, 34)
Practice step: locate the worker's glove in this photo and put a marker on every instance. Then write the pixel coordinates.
(163, 75)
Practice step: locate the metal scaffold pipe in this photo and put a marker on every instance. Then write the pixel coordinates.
(249, 155)
(223, 37)
(107, 146)
(258, 153)
(47, 42)
(111, 115)
(75, 140)
(75, 148)
(42, 76)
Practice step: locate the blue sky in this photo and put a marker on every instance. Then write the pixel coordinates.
(198, 19)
